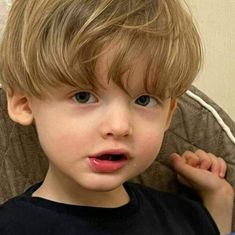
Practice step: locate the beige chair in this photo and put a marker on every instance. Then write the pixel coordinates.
(197, 123)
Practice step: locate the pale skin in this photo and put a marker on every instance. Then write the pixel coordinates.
(74, 125)
(202, 171)
(205, 173)
(111, 120)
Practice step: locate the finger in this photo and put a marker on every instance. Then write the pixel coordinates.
(205, 159)
(201, 180)
(223, 167)
(191, 174)
(215, 167)
(191, 158)
(208, 160)
(180, 178)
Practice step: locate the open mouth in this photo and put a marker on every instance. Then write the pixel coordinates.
(108, 162)
(112, 157)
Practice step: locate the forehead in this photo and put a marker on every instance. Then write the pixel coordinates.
(132, 72)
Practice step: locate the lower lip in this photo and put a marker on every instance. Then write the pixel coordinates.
(105, 166)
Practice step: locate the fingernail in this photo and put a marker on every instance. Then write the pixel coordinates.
(222, 174)
(174, 155)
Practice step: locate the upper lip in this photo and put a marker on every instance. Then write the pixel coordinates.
(112, 152)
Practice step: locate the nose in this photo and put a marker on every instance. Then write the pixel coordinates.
(116, 123)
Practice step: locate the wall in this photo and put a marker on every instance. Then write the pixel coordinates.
(4, 7)
(216, 22)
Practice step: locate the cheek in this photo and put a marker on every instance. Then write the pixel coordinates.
(148, 149)
(149, 143)
(152, 144)
(150, 135)
(61, 140)
(60, 137)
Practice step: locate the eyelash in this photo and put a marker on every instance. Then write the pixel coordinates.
(84, 93)
(143, 100)
(150, 100)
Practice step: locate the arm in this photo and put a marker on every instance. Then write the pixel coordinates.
(205, 173)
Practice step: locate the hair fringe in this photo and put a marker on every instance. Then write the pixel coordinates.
(52, 42)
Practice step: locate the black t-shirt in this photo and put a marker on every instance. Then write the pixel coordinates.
(149, 212)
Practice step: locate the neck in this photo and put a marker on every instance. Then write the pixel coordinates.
(62, 190)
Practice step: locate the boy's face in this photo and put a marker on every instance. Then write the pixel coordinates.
(99, 139)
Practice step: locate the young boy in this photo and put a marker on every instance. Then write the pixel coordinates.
(100, 80)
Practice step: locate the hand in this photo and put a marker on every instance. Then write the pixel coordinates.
(205, 173)
(202, 171)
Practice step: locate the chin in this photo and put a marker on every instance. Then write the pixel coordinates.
(103, 185)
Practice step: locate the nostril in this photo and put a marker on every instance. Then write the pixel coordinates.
(121, 131)
(115, 129)
(118, 134)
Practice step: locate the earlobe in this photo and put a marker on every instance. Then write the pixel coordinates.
(173, 105)
(19, 108)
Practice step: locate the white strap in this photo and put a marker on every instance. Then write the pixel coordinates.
(214, 113)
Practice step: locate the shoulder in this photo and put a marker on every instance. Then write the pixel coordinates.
(155, 196)
(171, 201)
(19, 204)
(13, 204)
(16, 211)
(175, 208)
(11, 213)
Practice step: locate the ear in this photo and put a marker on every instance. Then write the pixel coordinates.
(19, 108)
(173, 105)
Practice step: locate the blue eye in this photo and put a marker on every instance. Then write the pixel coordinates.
(84, 97)
(146, 100)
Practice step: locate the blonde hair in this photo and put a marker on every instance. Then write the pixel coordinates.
(48, 43)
